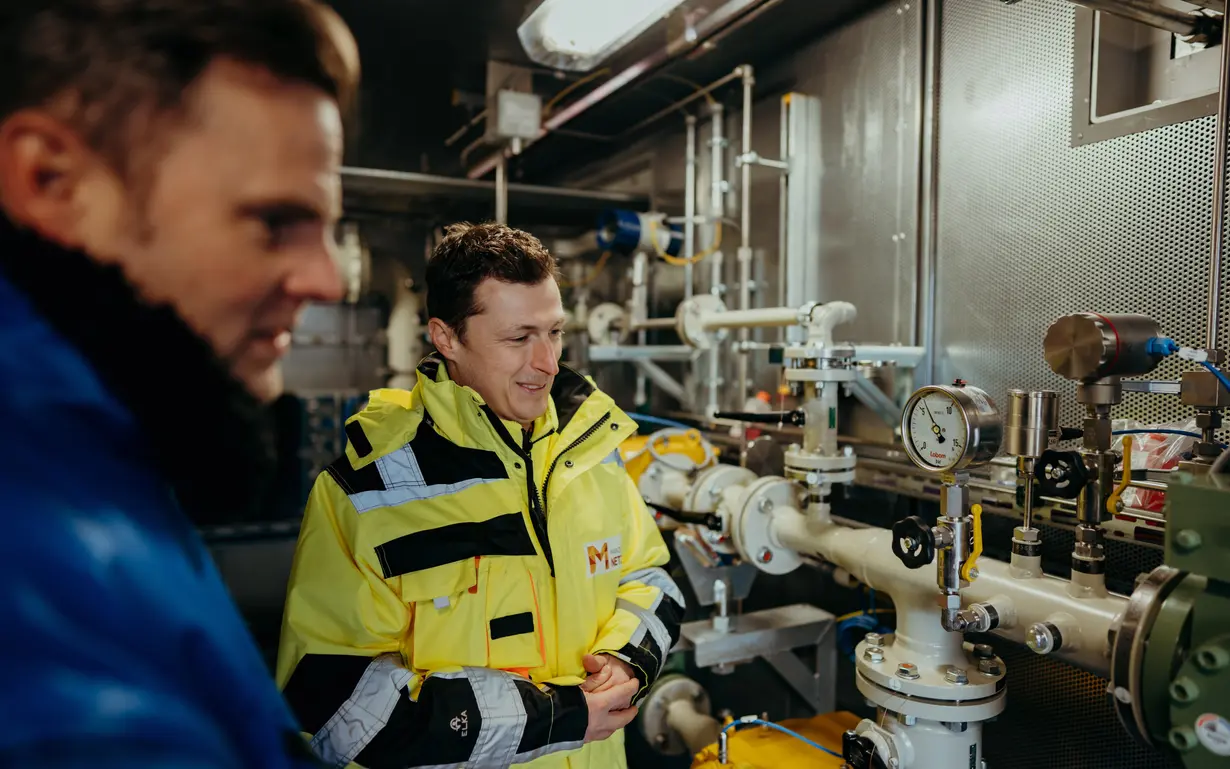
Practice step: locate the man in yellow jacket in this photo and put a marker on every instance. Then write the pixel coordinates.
(477, 581)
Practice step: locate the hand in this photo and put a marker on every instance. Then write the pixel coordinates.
(605, 671)
(610, 710)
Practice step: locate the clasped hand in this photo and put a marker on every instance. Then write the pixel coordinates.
(609, 687)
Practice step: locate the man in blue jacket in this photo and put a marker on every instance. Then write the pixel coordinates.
(169, 185)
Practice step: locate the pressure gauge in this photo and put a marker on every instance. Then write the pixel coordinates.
(947, 428)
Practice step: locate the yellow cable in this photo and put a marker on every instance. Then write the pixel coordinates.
(860, 612)
(546, 110)
(681, 261)
(1112, 502)
(594, 272)
(972, 561)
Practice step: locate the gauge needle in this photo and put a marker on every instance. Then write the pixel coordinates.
(935, 428)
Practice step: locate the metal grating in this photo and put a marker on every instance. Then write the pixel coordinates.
(1058, 716)
(1030, 228)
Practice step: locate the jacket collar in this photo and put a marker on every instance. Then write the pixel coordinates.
(574, 404)
(209, 438)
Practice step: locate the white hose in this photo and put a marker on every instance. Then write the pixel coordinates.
(667, 433)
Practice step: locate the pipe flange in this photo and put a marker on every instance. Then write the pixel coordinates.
(690, 321)
(817, 477)
(905, 682)
(706, 491)
(808, 460)
(1128, 648)
(660, 736)
(794, 374)
(840, 354)
(752, 525)
(603, 324)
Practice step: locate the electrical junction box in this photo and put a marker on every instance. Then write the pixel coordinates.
(513, 115)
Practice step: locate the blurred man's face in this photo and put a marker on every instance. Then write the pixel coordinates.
(234, 224)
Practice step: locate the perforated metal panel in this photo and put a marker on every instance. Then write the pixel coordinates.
(1030, 228)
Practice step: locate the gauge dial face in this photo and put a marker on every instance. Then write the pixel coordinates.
(937, 431)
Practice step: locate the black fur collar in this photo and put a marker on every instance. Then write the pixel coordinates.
(210, 438)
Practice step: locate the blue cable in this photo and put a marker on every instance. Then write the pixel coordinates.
(1162, 430)
(646, 418)
(1217, 373)
(781, 729)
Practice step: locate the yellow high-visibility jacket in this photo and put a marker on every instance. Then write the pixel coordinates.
(452, 571)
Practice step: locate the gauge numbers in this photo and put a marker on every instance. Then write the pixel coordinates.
(937, 430)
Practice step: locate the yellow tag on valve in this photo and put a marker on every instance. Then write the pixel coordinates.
(971, 563)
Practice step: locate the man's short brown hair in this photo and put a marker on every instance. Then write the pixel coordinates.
(113, 68)
(471, 253)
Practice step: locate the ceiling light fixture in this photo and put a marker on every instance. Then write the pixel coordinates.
(578, 35)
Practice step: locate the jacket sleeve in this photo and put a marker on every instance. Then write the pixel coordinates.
(649, 606)
(343, 669)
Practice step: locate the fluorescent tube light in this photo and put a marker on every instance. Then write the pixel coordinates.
(579, 35)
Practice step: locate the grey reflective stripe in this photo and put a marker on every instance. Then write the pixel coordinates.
(403, 482)
(613, 458)
(547, 750)
(655, 626)
(365, 713)
(658, 578)
(503, 718)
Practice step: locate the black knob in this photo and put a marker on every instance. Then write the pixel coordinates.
(913, 542)
(859, 752)
(1061, 474)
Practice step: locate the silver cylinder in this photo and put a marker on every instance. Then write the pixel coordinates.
(1033, 419)
(1085, 346)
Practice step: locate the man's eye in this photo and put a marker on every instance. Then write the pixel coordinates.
(518, 339)
(557, 333)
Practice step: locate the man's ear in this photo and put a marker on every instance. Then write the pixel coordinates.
(443, 338)
(43, 164)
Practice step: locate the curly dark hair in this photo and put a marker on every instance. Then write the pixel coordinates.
(471, 253)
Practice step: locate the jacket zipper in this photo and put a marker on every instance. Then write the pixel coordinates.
(546, 482)
(538, 513)
(538, 506)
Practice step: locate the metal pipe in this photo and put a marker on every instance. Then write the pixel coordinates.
(652, 324)
(730, 15)
(782, 192)
(762, 317)
(501, 191)
(1222, 137)
(1218, 6)
(685, 101)
(465, 129)
(1153, 15)
(1020, 602)
(717, 209)
(928, 193)
(689, 205)
(662, 380)
(745, 225)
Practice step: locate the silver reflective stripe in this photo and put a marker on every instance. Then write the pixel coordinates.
(547, 750)
(365, 713)
(656, 578)
(404, 482)
(503, 718)
(613, 458)
(655, 626)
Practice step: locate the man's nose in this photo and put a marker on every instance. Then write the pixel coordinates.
(317, 276)
(546, 357)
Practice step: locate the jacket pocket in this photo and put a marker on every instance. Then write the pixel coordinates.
(449, 615)
(514, 620)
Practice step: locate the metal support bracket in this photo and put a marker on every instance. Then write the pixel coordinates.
(773, 634)
(874, 398)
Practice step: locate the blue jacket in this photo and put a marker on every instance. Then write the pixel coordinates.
(119, 643)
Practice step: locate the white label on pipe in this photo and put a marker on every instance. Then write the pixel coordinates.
(1213, 731)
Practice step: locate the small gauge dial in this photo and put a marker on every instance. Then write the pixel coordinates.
(937, 430)
(948, 427)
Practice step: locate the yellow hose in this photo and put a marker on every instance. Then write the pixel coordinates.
(1112, 502)
(970, 563)
(679, 261)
